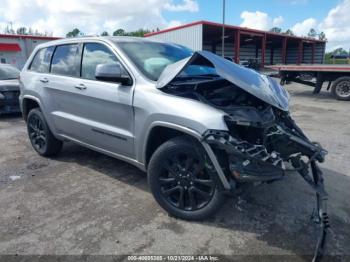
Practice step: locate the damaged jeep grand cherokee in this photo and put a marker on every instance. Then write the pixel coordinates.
(199, 124)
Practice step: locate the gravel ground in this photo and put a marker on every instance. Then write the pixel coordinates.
(82, 202)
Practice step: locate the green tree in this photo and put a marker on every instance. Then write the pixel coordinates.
(312, 33)
(21, 31)
(339, 51)
(322, 36)
(74, 33)
(119, 32)
(104, 33)
(276, 30)
(139, 33)
(289, 32)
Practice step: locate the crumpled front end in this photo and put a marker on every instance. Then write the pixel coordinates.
(259, 143)
(257, 151)
(261, 137)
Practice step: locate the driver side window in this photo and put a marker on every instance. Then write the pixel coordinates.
(94, 54)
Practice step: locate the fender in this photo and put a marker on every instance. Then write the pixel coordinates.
(198, 137)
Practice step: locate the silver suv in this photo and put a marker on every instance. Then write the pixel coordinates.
(200, 125)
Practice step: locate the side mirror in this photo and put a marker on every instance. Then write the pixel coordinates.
(112, 73)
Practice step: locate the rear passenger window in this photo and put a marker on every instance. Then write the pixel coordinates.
(64, 60)
(94, 54)
(42, 59)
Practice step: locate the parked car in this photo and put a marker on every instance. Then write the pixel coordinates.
(9, 89)
(199, 124)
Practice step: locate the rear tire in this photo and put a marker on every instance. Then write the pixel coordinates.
(181, 182)
(341, 88)
(40, 136)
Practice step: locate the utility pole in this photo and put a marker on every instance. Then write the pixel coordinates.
(223, 29)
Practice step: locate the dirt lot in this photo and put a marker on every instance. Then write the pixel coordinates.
(83, 202)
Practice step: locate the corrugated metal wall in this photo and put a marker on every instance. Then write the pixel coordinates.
(277, 56)
(292, 54)
(191, 37)
(246, 51)
(249, 51)
(319, 53)
(229, 49)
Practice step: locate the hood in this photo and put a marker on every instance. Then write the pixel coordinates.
(256, 84)
(9, 85)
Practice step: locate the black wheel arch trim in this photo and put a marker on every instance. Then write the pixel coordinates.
(196, 135)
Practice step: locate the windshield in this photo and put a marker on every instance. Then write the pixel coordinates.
(151, 58)
(8, 72)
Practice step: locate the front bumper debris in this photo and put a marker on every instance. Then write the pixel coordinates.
(249, 162)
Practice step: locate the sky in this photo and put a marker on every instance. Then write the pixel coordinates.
(58, 17)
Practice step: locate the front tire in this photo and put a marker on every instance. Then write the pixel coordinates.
(40, 136)
(182, 181)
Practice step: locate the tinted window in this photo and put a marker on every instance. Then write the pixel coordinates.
(41, 61)
(94, 54)
(64, 60)
(151, 57)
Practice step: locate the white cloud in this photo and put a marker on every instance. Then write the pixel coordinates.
(336, 26)
(91, 16)
(260, 20)
(187, 5)
(303, 28)
(174, 23)
(278, 21)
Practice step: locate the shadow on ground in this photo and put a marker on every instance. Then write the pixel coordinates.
(279, 214)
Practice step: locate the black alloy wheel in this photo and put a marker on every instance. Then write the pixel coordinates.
(183, 181)
(40, 136)
(37, 133)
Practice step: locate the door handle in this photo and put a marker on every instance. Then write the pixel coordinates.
(80, 87)
(44, 80)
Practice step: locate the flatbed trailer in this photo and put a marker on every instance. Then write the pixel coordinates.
(337, 76)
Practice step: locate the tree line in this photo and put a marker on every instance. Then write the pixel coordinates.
(24, 31)
(312, 33)
(119, 32)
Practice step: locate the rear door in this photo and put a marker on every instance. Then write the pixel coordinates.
(63, 77)
(95, 112)
(36, 79)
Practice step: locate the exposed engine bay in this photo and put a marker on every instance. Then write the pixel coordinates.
(261, 139)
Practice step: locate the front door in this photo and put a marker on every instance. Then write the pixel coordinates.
(94, 112)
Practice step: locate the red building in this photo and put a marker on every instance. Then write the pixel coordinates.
(243, 43)
(15, 49)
